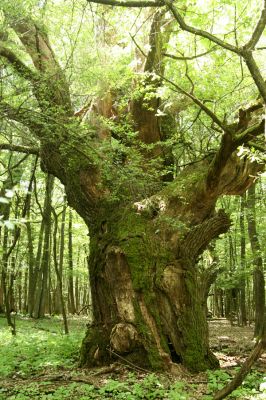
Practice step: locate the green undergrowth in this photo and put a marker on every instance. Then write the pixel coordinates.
(149, 388)
(42, 363)
(133, 387)
(39, 345)
(253, 387)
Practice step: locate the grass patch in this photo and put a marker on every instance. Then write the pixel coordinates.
(38, 346)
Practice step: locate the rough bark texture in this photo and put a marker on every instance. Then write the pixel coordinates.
(148, 299)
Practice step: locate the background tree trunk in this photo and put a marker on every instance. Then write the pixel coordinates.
(58, 288)
(58, 271)
(71, 301)
(243, 312)
(41, 293)
(258, 276)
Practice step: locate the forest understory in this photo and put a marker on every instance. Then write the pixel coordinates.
(42, 363)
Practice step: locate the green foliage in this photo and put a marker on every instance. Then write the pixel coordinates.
(219, 378)
(37, 346)
(131, 388)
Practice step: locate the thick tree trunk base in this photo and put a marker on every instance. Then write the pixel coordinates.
(149, 301)
(97, 349)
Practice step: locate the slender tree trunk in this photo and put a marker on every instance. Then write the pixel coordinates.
(231, 294)
(72, 308)
(19, 292)
(58, 272)
(77, 294)
(5, 281)
(25, 293)
(258, 276)
(41, 294)
(243, 312)
(32, 265)
(57, 303)
(34, 268)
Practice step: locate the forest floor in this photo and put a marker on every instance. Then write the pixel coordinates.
(42, 363)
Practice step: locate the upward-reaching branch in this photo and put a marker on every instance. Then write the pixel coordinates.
(198, 32)
(250, 45)
(36, 43)
(22, 69)
(231, 141)
(255, 72)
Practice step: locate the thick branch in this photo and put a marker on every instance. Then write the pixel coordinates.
(18, 65)
(249, 134)
(197, 31)
(144, 111)
(255, 73)
(154, 56)
(19, 149)
(231, 140)
(219, 161)
(130, 3)
(199, 237)
(250, 45)
(36, 42)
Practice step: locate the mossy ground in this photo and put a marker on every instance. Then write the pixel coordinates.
(42, 363)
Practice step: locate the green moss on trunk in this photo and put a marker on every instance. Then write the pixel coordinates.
(126, 251)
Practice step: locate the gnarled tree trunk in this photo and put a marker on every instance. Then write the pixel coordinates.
(148, 296)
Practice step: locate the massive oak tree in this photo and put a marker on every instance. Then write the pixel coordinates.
(148, 232)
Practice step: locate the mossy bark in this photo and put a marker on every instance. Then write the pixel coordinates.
(149, 304)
